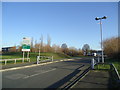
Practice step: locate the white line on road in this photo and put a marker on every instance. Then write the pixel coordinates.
(38, 73)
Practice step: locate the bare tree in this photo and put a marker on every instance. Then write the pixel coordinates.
(32, 45)
(41, 43)
(35, 46)
(48, 44)
(80, 52)
(112, 47)
(13, 49)
(64, 48)
(72, 51)
(86, 49)
(56, 48)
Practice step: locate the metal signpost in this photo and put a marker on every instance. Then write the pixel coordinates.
(26, 46)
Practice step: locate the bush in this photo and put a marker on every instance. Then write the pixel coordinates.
(112, 47)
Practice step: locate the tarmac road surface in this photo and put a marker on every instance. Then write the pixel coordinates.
(53, 75)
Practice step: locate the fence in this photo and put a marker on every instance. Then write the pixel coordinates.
(115, 76)
(15, 60)
(44, 59)
(95, 61)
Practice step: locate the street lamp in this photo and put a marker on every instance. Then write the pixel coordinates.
(97, 18)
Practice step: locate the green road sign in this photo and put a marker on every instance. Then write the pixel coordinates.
(26, 44)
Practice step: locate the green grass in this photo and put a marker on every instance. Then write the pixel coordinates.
(11, 55)
(102, 67)
(117, 65)
(107, 66)
(115, 62)
(33, 56)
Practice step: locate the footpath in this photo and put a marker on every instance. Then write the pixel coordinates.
(95, 79)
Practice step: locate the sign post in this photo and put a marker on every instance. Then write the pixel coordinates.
(28, 56)
(26, 46)
(23, 56)
(92, 63)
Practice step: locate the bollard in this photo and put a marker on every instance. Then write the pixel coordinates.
(52, 58)
(15, 61)
(98, 59)
(29, 59)
(92, 63)
(5, 62)
(38, 58)
(23, 60)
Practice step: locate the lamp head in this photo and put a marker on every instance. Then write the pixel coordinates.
(104, 17)
(97, 18)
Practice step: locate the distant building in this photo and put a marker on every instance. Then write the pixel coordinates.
(96, 53)
(6, 49)
(99, 53)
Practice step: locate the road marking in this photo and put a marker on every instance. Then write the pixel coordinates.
(15, 76)
(22, 67)
(38, 73)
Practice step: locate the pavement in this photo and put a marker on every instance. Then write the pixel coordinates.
(94, 79)
(52, 75)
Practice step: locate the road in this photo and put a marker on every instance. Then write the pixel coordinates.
(53, 75)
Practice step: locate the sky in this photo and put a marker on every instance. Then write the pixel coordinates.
(72, 23)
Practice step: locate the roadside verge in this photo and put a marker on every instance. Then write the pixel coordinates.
(34, 65)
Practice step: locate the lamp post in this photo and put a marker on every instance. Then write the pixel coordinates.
(97, 18)
(39, 48)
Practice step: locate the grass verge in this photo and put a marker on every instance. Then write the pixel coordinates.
(107, 67)
(33, 56)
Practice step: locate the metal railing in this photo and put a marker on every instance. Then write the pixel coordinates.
(15, 60)
(95, 61)
(115, 76)
(44, 59)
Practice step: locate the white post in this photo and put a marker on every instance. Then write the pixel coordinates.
(52, 58)
(5, 62)
(38, 57)
(29, 59)
(23, 56)
(28, 56)
(98, 59)
(92, 63)
(15, 61)
(101, 41)
(39, 50)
